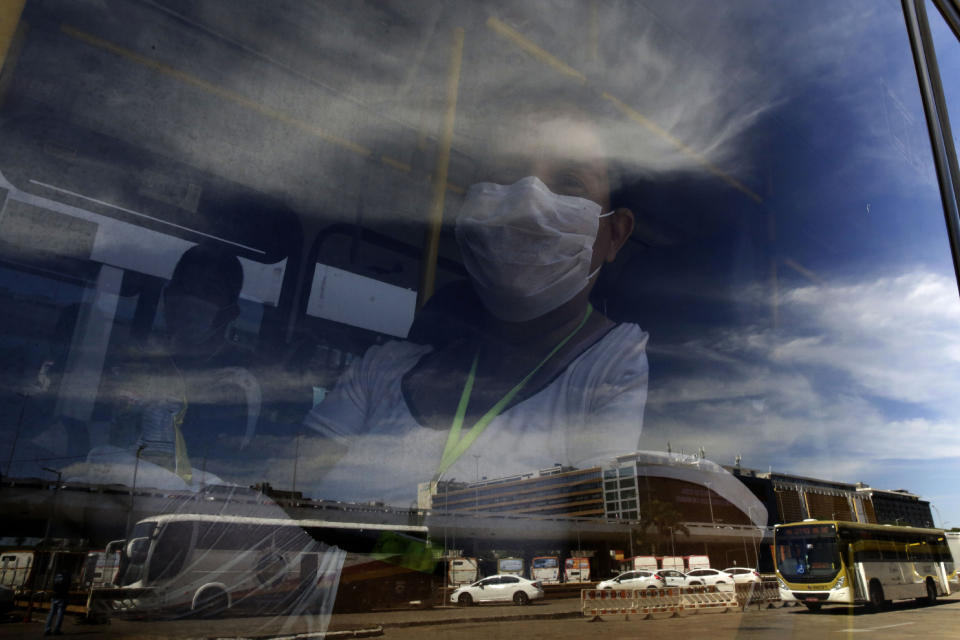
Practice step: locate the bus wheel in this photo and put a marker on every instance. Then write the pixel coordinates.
(521, 597)
(210, 602)
(931, 592)
(813, 606)
(465, 600)
(876, 596)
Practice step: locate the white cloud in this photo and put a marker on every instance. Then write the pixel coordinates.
(866, 373)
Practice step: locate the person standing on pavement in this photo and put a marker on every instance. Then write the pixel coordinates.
(58, 604)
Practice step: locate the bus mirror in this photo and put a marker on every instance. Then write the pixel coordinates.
(137, 550)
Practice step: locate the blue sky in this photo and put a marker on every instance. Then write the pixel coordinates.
(858, 377)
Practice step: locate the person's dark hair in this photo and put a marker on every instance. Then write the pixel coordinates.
(211, 270)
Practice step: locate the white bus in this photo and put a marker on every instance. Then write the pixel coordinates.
(510, 566)
(953, 542)
(577, 569)
(102, 568)
(15, 568)
(208, 563)
(832, 562)
(545, 569)
(463, 571)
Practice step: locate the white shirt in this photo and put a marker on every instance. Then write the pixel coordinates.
(593, 410)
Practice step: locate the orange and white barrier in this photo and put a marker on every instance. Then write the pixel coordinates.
(709, 597)
(675, 600)
(598, 602)
(762, 594)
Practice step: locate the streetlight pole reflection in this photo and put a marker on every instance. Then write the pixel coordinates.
(133, 489)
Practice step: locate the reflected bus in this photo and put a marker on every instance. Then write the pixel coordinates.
(186, 564)
(832, 562)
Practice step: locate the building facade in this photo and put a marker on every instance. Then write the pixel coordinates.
(698, 490)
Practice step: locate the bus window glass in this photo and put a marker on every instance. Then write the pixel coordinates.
(947, 49)
(414, 272)
(173, 546)
(808, 558)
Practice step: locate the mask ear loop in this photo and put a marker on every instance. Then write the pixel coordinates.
(597, 270)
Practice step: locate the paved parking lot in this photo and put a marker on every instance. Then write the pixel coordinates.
(553, 620)
(901, 621)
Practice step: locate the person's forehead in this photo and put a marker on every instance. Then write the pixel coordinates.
(560, 139)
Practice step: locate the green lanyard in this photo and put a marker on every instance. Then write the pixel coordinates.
(457, 446)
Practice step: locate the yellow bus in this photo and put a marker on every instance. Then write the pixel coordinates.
(831, 562)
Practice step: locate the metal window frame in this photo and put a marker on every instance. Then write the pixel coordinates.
(935, 110)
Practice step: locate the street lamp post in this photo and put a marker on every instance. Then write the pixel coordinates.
(446, 558)
(133, 489)
(476, 486)
(53, 506)
(296, 459)
(710, 503)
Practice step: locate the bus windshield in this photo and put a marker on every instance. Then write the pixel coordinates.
(808, 554)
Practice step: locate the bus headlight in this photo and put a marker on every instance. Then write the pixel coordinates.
(839, 584)
(783, 585)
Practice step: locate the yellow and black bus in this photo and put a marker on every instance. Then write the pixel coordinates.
(831, 562)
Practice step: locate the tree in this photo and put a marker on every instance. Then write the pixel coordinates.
(663, 517)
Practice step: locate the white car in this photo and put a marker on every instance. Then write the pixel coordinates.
(499, 588)
(672, 577)
(742, 575)
(641, 579)
(708, 576)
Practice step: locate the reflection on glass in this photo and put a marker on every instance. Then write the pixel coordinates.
(690, 281)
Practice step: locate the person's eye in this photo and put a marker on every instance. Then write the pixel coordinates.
(571, 184)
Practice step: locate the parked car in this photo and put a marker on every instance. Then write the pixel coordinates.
(499, 588)
(743, 574)
(672, 577)
(642, 579)
(708, 576)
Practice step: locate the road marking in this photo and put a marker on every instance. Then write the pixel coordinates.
(886, 626)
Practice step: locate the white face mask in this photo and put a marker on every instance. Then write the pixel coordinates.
(528, 250)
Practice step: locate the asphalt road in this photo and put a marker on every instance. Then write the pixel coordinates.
(901, 621)
(553, 620)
